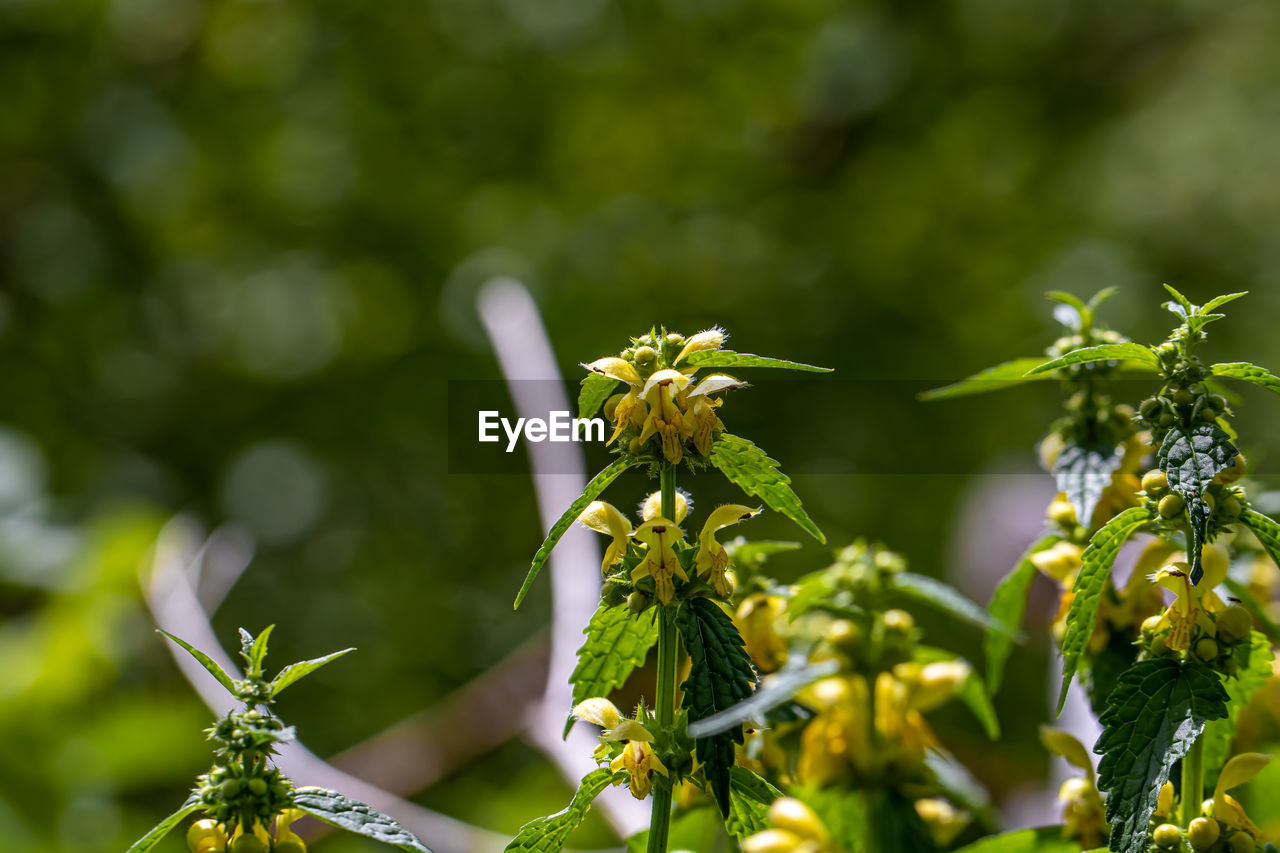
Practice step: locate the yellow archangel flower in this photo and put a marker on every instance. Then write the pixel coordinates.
(625, 409)
(664, 417)
(660, 561)
(652, 506)
(711, 339)
(287, 841)
(637, 758)
(794, 829)
(1185, 613)
(712, 559)
(1083, 813)
(605, 518)
(206, 836)
(700, 417)
(1237, 771)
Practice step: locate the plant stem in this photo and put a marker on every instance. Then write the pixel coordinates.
(665, 701)
(1193, 782)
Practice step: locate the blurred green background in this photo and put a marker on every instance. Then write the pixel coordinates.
(240, 243)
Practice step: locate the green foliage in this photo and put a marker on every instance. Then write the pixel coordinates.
(164, 827)
(1128, 354)
(596, 389)
(750, 469)
(617, 642)
(720, 676)
(1196, 317)
(207, 662)
(1155, 713)
(843, 812)
(295, 671)
(254, 650)
(1082, 472)
(749, 801)
(1247, 372)
(777, 689)
(1045, 839)
(549, 834)
(894, 824)
(354, 816)
(1218, 734)
(1191, 457)
(1008, 604)
(594, 489)
(731, 359)
(1001, 376)
(1096, 563)
(972, 692)
(1265, 528)
(948, 599)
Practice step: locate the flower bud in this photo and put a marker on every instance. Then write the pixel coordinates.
(790, 814)
(1229, 475)
(1241, 842)
(898, 621)
(1203, 833)
(257, 786)
(231, 789)
(772, 841)
(637, 601)
(205, 836)
(248, 843)
(1167, 835)
(674, 340)
(1207, 649)
(646, 356)
(1154, 481)
(1061, 511)
(1171, 506)
(1235, 623)
(1150, 408)
(1231, 507)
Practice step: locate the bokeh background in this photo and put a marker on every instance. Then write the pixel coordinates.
(240, 246)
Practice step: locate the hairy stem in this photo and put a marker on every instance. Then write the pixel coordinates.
(1193, 782)
(665, 701)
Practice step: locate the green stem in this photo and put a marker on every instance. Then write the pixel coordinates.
(1193, 782)
(665, 701)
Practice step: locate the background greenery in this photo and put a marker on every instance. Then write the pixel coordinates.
(240, 242)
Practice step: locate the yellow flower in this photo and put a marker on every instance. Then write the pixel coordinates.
(757, 621)
(1060, 561)
(1185, 613)
(206, 836)
(660, 561)
(615, 368)
(640, 763)
(637, 758)
(700, 417)
(1237, 771)
(652, 506)
(605, 518)
(664, 416)
(287, 841)
(795, 829)
(711, 339)
(1164, 801)
(1083, 813)
(712, 559)
(944, 820)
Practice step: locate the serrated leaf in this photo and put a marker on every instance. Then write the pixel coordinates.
(1155, 713)
(1218, 301)
(1095, 568)
(594, 489)
(617, 643)
(1045, 839)
(1267, 625)
(164, 827)
(948, 599)
(971, 691)
(1252, 677)
(301, 669)
(354, 816)
(254, 649)
(1191, 458)
(1135, 355)
(728, 358)
(1182, 302)
(596, 389)
(1009, 605)
(1247, 372)
(205, 661)
(774, 690)
(1265, 528)
(750, 469)
(996, 378)
(720, 676)
(549, 834)
(749, 801)
(1083, 472)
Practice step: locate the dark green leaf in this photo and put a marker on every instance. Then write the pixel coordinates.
(1264, 622)
(596, 389)
(1008, 604)
(895, 825)
(164, 827)
(594, 489)
(1247, 372)
(1096, 563)
(1252, 677)
(971, 691)
(354, 816)
(1155, 713)
(1001, 376)
(751, 470)
(617, 642)
(207, 662)
(1046, 839)
(1266, 529)
(295, 671)
(1136, 355)
(1191, 457)
(720, 676)
(549, 834)
(935, 593)
(749, 801)
(728, 358)
(1082, 472)
(774, 690)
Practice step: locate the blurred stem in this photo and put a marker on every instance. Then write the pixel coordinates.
(1193, 782)
(665, 701)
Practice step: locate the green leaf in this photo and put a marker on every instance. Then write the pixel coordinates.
(1252, 677)
(1183, 308)
(1191, 458)
(617, 642)
(750, 469)
(1265, 528)
(596, 389)
(1082, 472)
(843, 812)
(776, 689)
(164, 827)
(996, 378)
(594, 489)
(728, 358)
(354, 816)
(1096, 563)
(1100, 297)
(1046, 839)
(1008, 605)
(254, 650)
(935, 593)
(1155, 713)
(295, 671)
(1218, 301)
(1264, 622)
(971, 691)
(207, 662)
(1135, 354)
(549, 834)
(749, 801)
(1247, 372)
(895, 825)
(720, 676)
